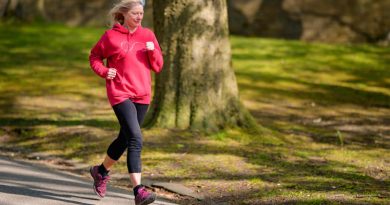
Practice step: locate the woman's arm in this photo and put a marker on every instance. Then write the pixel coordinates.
(96, 57)
(155, 56)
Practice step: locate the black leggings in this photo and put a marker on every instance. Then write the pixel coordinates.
(130, 116)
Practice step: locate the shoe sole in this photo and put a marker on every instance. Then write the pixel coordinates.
(94, 188)
(149, 200)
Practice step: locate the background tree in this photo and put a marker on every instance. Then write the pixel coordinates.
(22, 9)
(197, 88)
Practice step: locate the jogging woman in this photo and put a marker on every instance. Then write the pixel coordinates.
(131, 52)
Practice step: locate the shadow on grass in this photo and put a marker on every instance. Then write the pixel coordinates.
(315, 92)
(303, 175)
(366, 63)
(353, 76)
(22, 122)
(45, 61)
(325, 95)
(70, 140)
(328, 134)
(279, 200)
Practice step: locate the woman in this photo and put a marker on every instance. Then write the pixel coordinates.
(131, 52)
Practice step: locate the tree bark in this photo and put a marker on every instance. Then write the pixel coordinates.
(42, 9)
(3, 7)
(26, 10)
(197, 88)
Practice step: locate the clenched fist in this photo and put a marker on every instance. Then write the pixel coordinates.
(149, 46)
(111, 73)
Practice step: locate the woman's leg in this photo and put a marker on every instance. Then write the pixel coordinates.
(119, 145)
(141, 112)
(108, 162)
(128, 116)
(115, 150)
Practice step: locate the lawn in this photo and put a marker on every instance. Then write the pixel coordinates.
(324, 109)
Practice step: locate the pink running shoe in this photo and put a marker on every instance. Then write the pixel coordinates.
(99, 182)
(144, 197)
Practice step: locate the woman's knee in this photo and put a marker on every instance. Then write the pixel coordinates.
(135, 143)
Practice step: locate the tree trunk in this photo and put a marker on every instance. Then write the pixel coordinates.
(26, 10)
(3, 7)
(197, 88)
(41, 9)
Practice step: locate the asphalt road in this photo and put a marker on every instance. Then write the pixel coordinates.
(25, 183)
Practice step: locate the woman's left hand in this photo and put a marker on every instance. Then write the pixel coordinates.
(149, 46)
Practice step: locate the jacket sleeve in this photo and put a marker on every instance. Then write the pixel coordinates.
(155, 56)
(97, 55)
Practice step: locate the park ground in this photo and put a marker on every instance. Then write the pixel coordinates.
(324, 112)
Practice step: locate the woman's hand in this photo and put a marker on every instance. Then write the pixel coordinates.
(111, 73)
(149, 46)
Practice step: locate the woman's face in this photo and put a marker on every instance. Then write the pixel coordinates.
(134, 17)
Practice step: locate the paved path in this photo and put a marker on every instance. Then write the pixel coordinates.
(25, 183)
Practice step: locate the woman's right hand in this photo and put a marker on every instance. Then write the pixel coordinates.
(111, 73)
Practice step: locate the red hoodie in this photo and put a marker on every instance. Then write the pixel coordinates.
(126, 52)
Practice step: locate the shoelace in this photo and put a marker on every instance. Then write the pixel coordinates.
(103, 181)
(143, 193)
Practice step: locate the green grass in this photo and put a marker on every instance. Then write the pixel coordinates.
(325, 109)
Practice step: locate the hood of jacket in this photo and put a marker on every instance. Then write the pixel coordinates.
(120, 28)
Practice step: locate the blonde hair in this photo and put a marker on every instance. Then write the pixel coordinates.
(122, 7)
